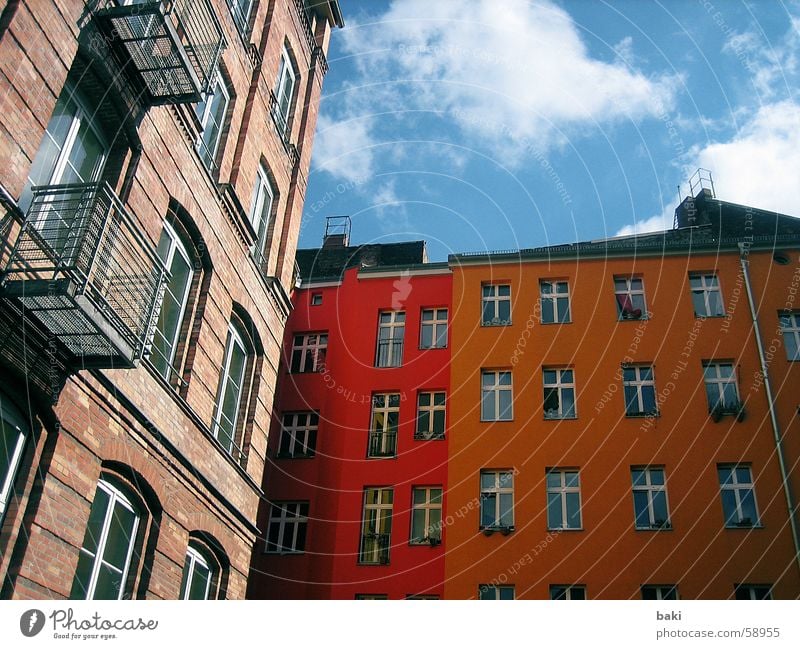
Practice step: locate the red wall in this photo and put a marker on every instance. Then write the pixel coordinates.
(333, 481)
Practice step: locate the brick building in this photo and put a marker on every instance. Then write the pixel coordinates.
(619, 419)
(155, 156)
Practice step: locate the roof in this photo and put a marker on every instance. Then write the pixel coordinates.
(715, 225)
(329, 263)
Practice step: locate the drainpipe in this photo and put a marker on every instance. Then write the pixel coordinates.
(768, 389)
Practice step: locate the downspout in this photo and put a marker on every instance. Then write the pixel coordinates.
(768, 390)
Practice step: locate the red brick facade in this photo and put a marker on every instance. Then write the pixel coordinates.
(156, 435)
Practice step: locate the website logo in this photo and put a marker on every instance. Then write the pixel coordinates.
(31, 622)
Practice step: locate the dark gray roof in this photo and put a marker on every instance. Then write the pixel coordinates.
(317, 264)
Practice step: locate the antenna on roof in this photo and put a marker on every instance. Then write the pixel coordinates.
(337, 232)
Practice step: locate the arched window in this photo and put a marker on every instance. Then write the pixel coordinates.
(237, 383)
(284, 91)
(111, 549)
(200, 574)
(173, 252)
(14, 431)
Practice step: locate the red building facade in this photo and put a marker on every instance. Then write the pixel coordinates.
(356, 466)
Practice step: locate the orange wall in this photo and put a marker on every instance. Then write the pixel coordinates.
(609, 556)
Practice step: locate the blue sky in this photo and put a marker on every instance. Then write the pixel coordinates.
(500, 124)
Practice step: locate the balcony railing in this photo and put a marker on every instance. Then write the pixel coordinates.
(389, 353)
(374, 549)
(171, 46)
(83, 269)
(382, 443)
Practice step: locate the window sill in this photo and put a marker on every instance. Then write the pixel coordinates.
(556, 323)
(559, 418)
(429, 437)
(505, 323)
(655, 528)
(565, 529)
(496, 421)
(286, 456)
(642, 415)
(697, 316)
(621, 319)
(504, 530)
(757, 526)
(426, 349)
(382, 457)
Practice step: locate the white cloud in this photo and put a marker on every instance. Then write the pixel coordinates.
(510, 75)
(344, 148)
(760, 166)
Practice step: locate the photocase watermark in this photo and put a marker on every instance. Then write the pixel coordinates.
(66, 626)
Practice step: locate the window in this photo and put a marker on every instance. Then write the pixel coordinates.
(422, 597)
(554, 301)
(659, 592)
(485, 591)
(173, 253)
(706, 297)
(308, 352)
(284, 90)
(721, 390)
(240, 10)
(376, 529)
(371, 596)
(563, 499)
(261, 213)
(559, 393)
(229, 394)
(430, 415)
(433, 329)
(567, 592)
(426, 515)
(14, 433)
(629, 292)
(108, 553)
(753, 591)
(391, 331)
(198, 580)
(211, 113)
(496, 305)
(383, 430)
(497, 500)
(738, 495)
(790, 328)
(316, 299)
(286, 529)
(639, 387)
(299, 434)
(496, 395)
(649, 498)
(73, 150)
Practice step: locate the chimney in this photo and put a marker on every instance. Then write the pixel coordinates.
(337, 232)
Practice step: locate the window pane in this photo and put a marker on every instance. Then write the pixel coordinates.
(418, 525)
(748, 506)
(97, 517)
(119, 537)
(640, 508)
(109, 583)
(487, 406)
(699, 304)
(573, 510)
(506, 593)
(660, 506)
(505, 405)
(200, 582)
(506, 510)
(563, 310)
(649, 399)
(504, 310)
(729, 507)
(742, 474)
(438, 421)
(427, 336)
(80, 584)
(554, 519)
(547, 311)
(487, 481)
(488, 509)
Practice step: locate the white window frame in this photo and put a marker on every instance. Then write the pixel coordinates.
(650, 489)
(176, 247)
(751, 591)
(496, 388)
(12, 419)
(234, 338)
(378, 507)
(661, 591)
(570, 590)
(432, 532)
(498, 590)
(390, 357)
(299, 435)
(241, 18)
(720, 382)
(263, 197)
(627, 295)
(738, 488)
(316, 349)
(554, 296)
(385, 432)
(436, 322)
(503, 485)
(559, 386)
(280, 515)
(80, 115)
(494, 298)
(709, 283)
(219, 86)
(790, 329)
(639, 383)
(115, 496)
(196, 557)
(431, 409)
(285, 69)
(562, 490)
